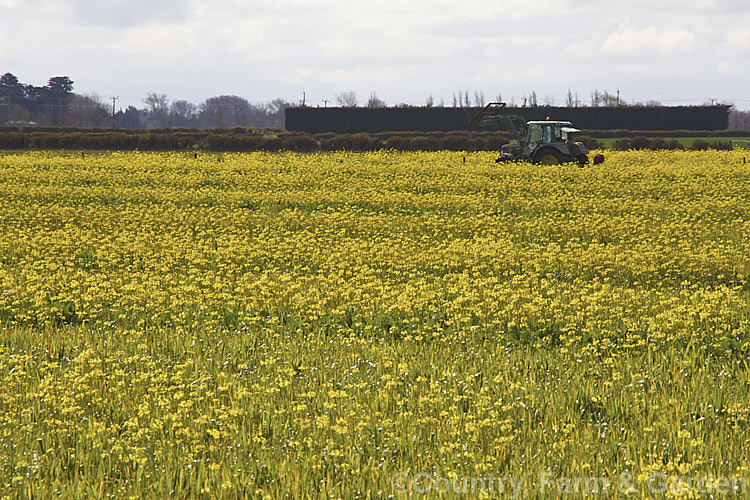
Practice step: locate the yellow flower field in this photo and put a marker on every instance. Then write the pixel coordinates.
(370, 325)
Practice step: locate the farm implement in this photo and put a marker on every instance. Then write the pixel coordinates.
(547, 142)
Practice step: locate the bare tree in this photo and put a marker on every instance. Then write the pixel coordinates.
(271, 114)
(87, 111)
(572, 100)
(429, 102)
(604, 99)
(277, 106)
(156, 102)
(226, 111)
(479, 99)
(182, 113)
(158, 109)
(347, 99)
(374, 101)
(739, 120)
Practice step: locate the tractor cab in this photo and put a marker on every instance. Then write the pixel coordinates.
(547, 132)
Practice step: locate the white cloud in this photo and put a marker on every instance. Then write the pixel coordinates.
(649, 40)
(634, 69)
(739, 39)
(264, 49)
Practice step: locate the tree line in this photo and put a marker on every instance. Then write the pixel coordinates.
(223, 111)
(22, 102)
(55, 104)
(463, 99)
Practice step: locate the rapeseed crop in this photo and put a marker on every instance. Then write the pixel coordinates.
(373, 324)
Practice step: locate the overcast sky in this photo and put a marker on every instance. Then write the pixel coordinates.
(675, 52)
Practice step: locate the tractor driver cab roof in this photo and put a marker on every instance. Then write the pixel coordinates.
(550, 122)
(566, 127)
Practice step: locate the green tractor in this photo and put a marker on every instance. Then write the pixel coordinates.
(546, 142)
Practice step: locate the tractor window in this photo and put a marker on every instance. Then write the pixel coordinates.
(535, 134)
(548, 135)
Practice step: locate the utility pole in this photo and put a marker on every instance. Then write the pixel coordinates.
(114, 98)
(325, 103)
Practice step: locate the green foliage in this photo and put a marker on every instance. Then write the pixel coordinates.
(244, 139)
(351, 142)
(588, 141)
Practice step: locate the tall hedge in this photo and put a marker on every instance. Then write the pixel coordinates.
(245, 139)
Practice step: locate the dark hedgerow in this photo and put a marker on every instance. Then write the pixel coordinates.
(700, 144)
(251, 139)
(300, 143)
(641, 142)
(351, 142)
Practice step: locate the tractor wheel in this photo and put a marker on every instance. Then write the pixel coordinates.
(582, 160)
(547, 157)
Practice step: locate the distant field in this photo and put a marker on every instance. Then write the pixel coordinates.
(372, 325)
(740, 142)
